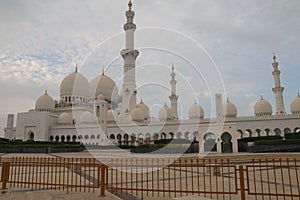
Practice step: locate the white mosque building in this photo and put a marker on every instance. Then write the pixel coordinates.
(93, 113)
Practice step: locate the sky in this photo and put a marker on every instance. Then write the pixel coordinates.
(216, 46)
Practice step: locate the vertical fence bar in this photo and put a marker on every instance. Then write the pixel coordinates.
(268, 177)
(297, 178)
(275, 178)
(261, 178)
(282, 177)
(142, 177)
(242, 183)
(290, 180)
(102, 187)
(204, 175)
(180, 178)
(5, 174)
(169, 178)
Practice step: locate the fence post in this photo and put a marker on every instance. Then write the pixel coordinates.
(242, 183)
(5, 174)
(102, 180)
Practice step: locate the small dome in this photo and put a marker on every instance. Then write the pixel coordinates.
(262, 108)
(196, 112)
(44, 103)
(65, 118)
(75, 84)
(230, 109)
(165, 113)
(138, 114)
(87, 118)
(145, 109)
(111, 115)
(105, 86)
(295, 105)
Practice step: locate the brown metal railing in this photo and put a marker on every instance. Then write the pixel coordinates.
(215, 178)
(69, 174)
(211, 178)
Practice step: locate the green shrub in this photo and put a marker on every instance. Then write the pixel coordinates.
(278, 142)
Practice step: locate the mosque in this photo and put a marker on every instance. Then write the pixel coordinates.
(93, 113)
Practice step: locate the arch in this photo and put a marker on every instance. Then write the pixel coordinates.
(163, 136)
(240, 132)
(30, 136)
(178, 135)
(74, 138)
(112, 137)
(155, 136)
(62, 138)
(226, 144)
(186, 135)
(98, 136)
(297, 130)
(51, 138)
(68, 138)
(57, 138)
(93, 137)
(287, 130)
(86, 137)
(210, 142)
(119, 138)
(277, 131)
(126, 139)
(267, 131)
(258, 131)
(132, 138)
(171, 135)
(148, 136)
(248, 133)
(80, 137)
(195, 136)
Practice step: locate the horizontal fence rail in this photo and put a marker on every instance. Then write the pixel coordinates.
(214, 178)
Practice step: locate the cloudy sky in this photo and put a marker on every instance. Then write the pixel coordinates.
(216, 46)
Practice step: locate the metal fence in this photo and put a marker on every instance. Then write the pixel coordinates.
(69, 174)
(215, 178)
(210, 178)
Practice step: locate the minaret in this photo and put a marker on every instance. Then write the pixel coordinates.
(129, 55)
(173, 97)
(278, 90)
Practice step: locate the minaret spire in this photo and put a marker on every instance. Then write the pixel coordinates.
(129, 55)
(173, 97)
(278, 90)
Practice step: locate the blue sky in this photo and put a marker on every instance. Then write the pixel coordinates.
(41, 41)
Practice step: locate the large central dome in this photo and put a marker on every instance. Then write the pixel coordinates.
(75, 84)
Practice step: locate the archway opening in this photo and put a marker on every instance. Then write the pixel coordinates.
(226, 144)
(210, 142)
(30, 136)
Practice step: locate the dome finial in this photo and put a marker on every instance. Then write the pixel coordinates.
(195, 101)
(261, 97)
(274, 56)
(76, 68)
(102, 71)
(130, 4)
(46, 92)
(173, 66)
(141, 100)
(165, 103)
(298, 94)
